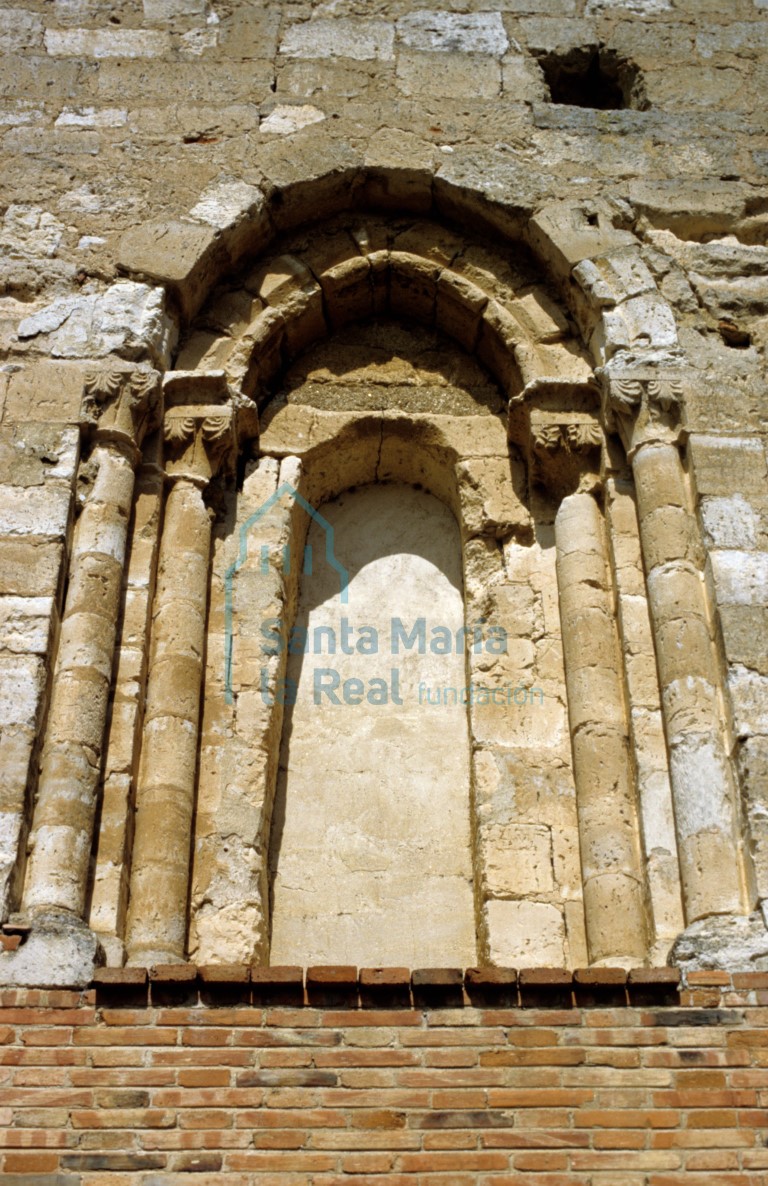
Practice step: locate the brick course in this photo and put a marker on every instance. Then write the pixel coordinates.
(669, 1094)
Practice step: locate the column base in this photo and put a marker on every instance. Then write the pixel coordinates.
(59, 951)
(731, 942)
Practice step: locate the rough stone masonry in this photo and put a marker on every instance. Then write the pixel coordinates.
(482, 292)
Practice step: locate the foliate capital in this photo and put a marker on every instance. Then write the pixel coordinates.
(557, 430)
(122, 405)
(200, 426)
(643, 405)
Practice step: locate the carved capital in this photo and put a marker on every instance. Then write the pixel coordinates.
(200, 427)
(555, 426)
(642, 406)
(122, 405)
(565, 451)
(199, 442)
(575, 436)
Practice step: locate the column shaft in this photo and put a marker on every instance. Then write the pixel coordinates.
(703, 785)
(157, 913)
(60, 840)
(646, 726)
(608, 831)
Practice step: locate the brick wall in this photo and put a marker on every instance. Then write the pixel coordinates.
(221, 1076)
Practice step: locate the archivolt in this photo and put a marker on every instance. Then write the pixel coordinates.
(413, 271)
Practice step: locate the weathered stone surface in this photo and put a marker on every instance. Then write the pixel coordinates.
(178, 253)
(283, 120)
(127, 319)
(293, 184)
(728, 942)
(448, 32)
(59, 952)
(399, 843)
(106, 43)
(344, 37)
(525, 934)
(567, 233)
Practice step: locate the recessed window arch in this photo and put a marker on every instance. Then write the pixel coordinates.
(370, 844)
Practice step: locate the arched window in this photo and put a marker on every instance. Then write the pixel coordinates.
(371, 853)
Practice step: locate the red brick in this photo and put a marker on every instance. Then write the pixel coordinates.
(450, 1140)
(367, 1163)
(544, 977)
(540, 1161)
(708, 979)
(292, 1118)
(36, 1016)
(384, 977)
(47, 1037)
(545, 986)
(600, 976)
(712, 1159)
(712, 1118)
(653, 976)
(750, 979)
(377, 1118)
(282, 985)
(571, 1097)
(136, 977)
(300, 1161)
(437, 978)
(277, 975)
(371, 1017)
(480, 1159)
(206, 1118)
(323, 975)
(173, 1080)
(173, 974)
(286, 1058)
(460, 1057)
(385, 986)
(30, 1163)
(270, 1138)
(359, 1057)
(533, 1037)
(619, 1138)
(205, 1037)
(204, 1077)
(626, 1118)
(213, 974)
(543, 1056)
(124, 1036)
(123, 1118)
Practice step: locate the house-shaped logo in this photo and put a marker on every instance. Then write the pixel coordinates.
(289, 492)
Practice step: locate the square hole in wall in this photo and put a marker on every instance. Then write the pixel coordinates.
(593, 77)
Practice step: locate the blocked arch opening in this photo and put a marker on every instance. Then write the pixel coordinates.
(371, 837)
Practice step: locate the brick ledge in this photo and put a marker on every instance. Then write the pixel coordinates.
(350, 987)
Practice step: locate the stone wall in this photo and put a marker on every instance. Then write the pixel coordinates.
(387, 1078)
(599, 271)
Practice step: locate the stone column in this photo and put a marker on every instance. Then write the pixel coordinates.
(608, 830)
(646, 726)
(122, 747)
(198, 440)
(62, 828)
(703, 785)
